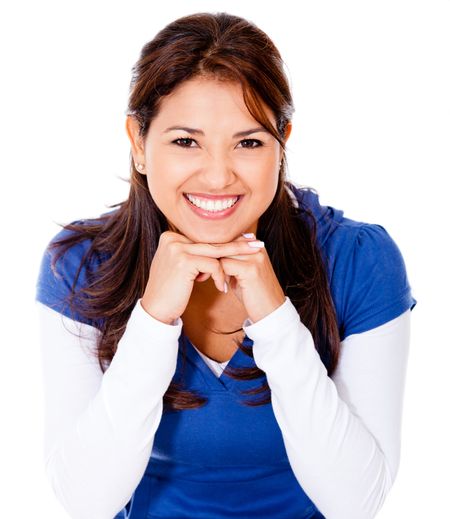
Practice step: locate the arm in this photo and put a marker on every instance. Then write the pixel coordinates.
(342, 434)
(99, 428)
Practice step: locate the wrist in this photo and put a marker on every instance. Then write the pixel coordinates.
(156, 315)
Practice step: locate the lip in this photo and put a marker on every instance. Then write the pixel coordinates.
(212, 197)
(208, 215)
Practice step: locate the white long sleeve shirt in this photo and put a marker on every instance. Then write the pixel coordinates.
(342, 434)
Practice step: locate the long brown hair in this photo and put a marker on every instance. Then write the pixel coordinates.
(229, 48)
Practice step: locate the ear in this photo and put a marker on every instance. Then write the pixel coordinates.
(136, 140)
(287, 131)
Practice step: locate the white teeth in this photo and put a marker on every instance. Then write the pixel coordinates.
(212, 205)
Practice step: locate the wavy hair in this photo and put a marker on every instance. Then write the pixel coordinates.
(225, 47)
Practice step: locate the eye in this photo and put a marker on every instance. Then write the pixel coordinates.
(252, 141)
(183, 139)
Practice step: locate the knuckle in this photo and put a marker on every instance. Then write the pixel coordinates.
(175, 252)
(173, 248)
(164, 237)
(180, 262)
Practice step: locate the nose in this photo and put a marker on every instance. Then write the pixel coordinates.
(218, 172)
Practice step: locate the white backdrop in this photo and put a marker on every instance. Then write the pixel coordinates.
(371, 133)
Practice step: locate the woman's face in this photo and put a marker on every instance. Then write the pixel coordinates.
(204, 143)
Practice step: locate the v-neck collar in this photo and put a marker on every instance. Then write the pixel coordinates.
(224, 382)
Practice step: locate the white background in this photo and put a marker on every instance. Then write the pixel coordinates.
(371, 133)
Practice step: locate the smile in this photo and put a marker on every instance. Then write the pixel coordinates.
(212, 208)
(212, 205)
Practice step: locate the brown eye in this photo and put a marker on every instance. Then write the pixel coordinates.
(185, 142)
(251, 142)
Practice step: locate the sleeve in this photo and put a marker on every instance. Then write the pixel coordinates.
(342, 434)
(375, 286)
(53, 286)
(99, 428)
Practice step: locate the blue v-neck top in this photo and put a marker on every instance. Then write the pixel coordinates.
(226, 459)
(220, 460)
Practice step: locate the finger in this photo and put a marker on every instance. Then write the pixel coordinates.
(212, 267)
(229, 280)
(243, 237)
(170, 236)
(203, 276)
(247, 239)
(248, 236)
(219, 250)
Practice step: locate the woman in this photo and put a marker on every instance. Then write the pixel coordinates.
(220, 344)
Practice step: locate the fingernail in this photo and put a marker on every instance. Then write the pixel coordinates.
(248, 235)
(256, 244)
(225, 287)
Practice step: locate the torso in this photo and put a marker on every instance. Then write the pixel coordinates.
(199, 321)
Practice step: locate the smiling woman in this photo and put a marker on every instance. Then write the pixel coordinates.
(221, 165)
(241, 349)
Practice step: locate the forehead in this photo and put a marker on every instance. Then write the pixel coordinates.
(206, 99)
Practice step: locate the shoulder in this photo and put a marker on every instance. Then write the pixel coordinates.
(340, 237)
(369, 280)
(65, 269)
(365, 267)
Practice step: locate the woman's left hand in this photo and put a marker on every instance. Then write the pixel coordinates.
(252, 280)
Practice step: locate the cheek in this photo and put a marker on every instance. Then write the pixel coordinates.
(166, 190)
(168, 170)
(267, 185)
(264, 179)
(168, 157)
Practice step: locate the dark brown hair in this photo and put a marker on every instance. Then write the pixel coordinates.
(224, 47)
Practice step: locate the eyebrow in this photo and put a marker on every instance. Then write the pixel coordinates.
(200, 132)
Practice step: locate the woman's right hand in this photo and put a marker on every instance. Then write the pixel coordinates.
(177, 263)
